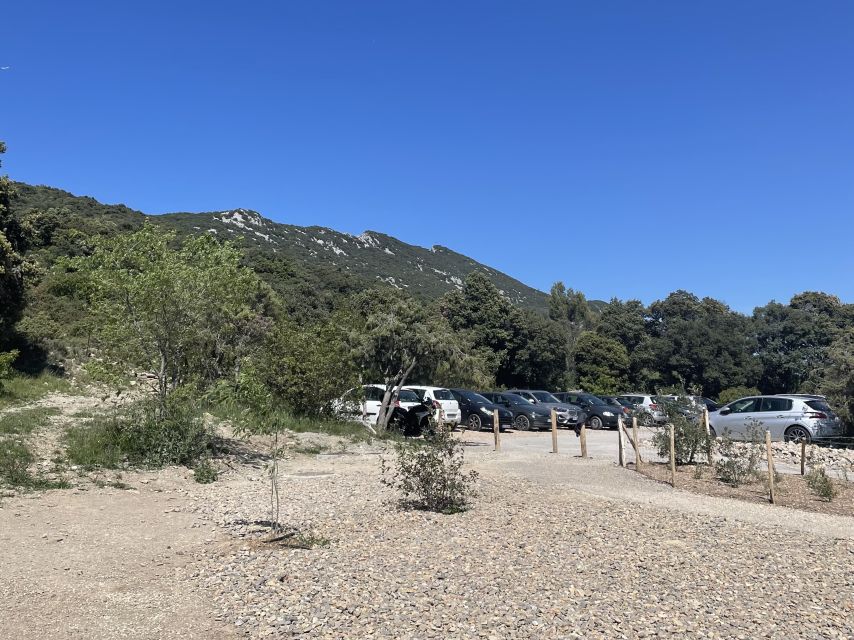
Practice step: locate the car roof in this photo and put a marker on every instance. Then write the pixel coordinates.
(424, 386)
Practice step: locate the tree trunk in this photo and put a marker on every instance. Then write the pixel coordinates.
(392, 388)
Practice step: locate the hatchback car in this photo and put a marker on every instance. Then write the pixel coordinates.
(648, 408)
(599, 413)
(790, 418)
(477, 412)
(442, 399)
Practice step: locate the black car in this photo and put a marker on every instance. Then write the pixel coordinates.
(476, 412)
(568, 414)
(526, 416)
(623, 406)
(599, 413)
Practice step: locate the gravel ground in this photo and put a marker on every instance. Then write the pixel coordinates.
(532, 559)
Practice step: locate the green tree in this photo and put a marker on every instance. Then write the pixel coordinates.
(11, 261)
(181, 314)
(602, 362)
(836, 378)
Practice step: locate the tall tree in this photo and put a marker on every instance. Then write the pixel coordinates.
(11, 261)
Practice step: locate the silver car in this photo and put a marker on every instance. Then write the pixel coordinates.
(788, 417)
(647, 407)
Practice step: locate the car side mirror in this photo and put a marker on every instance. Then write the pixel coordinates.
(725, 411)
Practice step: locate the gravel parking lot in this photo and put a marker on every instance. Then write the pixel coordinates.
(554, 547)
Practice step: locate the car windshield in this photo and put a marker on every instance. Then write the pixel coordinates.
(819, 405)
(593, 399)
(407, 395)
(442, 394)
(542, 396)
(471, 396)
(514, 399)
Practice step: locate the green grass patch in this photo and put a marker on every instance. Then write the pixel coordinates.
(25, 421)
(141, 436)
(20, 389)
(15, 458)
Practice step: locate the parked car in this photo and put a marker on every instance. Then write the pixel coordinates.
(441, 399)
(476, 411)
(410, 415)
(526, 416)
(568, 414)
(648, 408)
(599, 413)
(623, 406)
(791, 418)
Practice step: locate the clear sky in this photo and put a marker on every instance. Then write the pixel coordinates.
(627, 148)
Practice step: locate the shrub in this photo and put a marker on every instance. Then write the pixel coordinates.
(429, 474)
(15, 457)
(205, 472)
(821, 484)
(6, 360)
(689, 435)
(143, 436)
(736, 464)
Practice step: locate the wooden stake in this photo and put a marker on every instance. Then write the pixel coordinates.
(554, 431)
(803, 456)
(638, 459)
(621, 448)
(770, 467)
(583, 441)
(672, 456)
(496, 429)
(709, 451)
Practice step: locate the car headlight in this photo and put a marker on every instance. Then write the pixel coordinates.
(608, 414)
(486, 411)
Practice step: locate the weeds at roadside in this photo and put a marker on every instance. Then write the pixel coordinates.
(736, 465)
(15, 459)
(20, 389)
(819, 482)
(205, 472)
(25, 421)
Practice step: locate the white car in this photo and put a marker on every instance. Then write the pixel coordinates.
(363, 403)
(646, 403)
(444, 398)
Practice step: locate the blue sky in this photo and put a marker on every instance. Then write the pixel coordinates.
(627, 148)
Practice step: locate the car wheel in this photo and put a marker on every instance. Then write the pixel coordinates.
(644, 419)
(712, 433)
(797, 433)
(595, 422)
(522, 423)
(474, 422)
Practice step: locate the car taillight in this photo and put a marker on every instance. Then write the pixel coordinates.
(436, 404)
(625, 410)
(397, 403)
(654, 407)
(817, 415)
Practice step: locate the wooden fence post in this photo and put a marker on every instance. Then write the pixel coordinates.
(672, 456)
(621, 448)
(495, 428)
(709, 451)
(803, 456)
(770, 467)
(635, 437)
(583, 441)
(554, 431)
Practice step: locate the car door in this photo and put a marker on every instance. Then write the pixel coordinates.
(739, 419)
(775, 415)
(373, 402)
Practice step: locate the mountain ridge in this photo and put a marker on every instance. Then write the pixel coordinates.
(371, 256)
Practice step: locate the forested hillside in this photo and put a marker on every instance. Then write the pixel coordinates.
(362, 261)
(315, 310)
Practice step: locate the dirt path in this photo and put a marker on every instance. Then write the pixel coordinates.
(102, 564)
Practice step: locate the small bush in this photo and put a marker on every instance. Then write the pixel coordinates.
(15, 459)
(689, 435)
(142, 437)
(6, 360)
(205, 472)
(429, 474)
(819, 482)
(736, 464)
